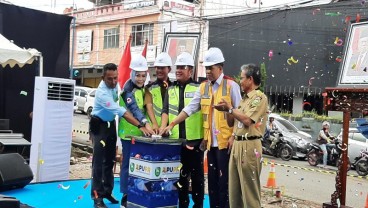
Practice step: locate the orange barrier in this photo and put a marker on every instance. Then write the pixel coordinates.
(271, 181)
(366, 202)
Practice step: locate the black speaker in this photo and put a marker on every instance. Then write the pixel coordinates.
(9, 202)
(14, 172)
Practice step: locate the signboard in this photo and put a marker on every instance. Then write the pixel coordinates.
(180, 7)
(355, 63)
(84, 41)
(83, 58)
(154, 170)
(133, 4)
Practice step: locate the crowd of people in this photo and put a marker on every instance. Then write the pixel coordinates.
(211, 116)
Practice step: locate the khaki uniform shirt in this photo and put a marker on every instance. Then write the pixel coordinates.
(254, 105)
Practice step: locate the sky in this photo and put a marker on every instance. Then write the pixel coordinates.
(54, 6)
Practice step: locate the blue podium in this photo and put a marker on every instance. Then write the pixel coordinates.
(154, 168)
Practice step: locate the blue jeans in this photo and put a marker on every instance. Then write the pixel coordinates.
(324, 150)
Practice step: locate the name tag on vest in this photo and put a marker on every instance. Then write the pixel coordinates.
(189, 94)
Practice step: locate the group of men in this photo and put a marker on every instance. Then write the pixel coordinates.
(210, 116)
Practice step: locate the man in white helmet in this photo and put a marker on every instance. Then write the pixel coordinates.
(155, 92)
(177, 97)
(103, 133)
(216, 130)
(132, 97)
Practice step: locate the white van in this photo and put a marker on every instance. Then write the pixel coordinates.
(80, 96)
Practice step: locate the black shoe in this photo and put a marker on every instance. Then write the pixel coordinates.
(124, 201)
(112, 199)
(98, 203)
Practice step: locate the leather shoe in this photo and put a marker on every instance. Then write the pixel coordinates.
(98, 203)
(111, 199)
(124, 201)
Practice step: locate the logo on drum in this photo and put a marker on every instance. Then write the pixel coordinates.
(131, 167)
(157, 171)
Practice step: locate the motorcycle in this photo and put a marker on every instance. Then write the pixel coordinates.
(282, 149)
(315, 154)
(361, 163)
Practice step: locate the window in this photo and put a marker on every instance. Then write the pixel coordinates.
(359, 137)
(90, 71)
(99, 70)
(141, 33)
(111, 38)
(92, 94)
(83, 93)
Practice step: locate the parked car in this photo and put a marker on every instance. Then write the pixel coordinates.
(88, 106)
(357, 142)
(80, 96)
(299, 139)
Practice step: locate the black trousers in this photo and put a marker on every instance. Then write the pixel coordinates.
(218, 176)
(104, 152)
(192, 167)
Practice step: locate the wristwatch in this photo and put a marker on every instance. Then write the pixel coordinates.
(231, 110)
(140, 125)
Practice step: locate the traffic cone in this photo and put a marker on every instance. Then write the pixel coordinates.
(271, 181)
(205, 165)
(366, 202)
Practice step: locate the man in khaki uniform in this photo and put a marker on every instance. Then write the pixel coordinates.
(249, 121)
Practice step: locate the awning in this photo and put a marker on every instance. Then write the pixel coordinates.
(12, 54)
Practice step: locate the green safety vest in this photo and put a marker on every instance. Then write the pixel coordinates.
(194, 123)
(126, 128)
(157, 102)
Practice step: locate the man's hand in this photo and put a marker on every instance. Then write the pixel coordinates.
(155, 128)
(223, 106)
(203, 145)
(230, 143)
(166, 130)
(149, 129)
(145, 131)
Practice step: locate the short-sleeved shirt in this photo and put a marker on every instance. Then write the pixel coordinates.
(254, 105)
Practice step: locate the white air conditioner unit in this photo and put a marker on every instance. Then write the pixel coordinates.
(52, 128)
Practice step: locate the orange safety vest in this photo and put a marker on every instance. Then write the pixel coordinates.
(207, 101)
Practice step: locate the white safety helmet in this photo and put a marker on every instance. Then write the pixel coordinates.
(163, 59)
(184, 59)
(213, 56)
(138, 63)
(326, 123)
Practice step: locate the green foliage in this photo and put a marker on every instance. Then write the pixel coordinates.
(310, 114)
(263, 76)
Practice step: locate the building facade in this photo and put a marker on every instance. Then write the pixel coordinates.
(101, 34)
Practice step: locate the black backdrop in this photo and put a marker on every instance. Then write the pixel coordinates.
(49, 34)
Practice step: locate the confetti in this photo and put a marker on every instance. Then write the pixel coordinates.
(133, 141)
(353, 67)
(258, 124)
(86, 185)
(95, 193)
(103, 143)
(316, 10)
(324, 94)
(357, 18)
(217, 132)
(292, 60)
(80, 197)
(108, 104)
(347, 19)
(310, 81)
(270, 54)
(179, 185)
(108, 124)
(338, 41)
(257, 153)
(41, 161)
(332, 14)
(338, 59)
(51, 86)
(23, 93)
